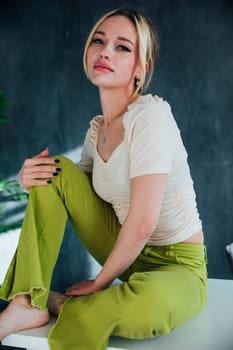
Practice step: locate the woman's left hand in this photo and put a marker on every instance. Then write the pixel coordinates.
(83, 288)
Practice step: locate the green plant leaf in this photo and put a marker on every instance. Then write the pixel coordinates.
(11, 191)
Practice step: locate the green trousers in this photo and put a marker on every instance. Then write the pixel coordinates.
(162, 289)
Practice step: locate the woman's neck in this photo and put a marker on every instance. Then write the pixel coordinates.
(114, 104)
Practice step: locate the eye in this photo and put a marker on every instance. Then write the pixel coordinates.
(97, 41)
(123, 48)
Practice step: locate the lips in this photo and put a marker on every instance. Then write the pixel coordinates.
(102, 67)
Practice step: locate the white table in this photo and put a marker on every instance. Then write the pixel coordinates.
(212, 329)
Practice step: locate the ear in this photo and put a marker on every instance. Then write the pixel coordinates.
(138, 74)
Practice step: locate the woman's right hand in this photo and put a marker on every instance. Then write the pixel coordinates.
(38, 170)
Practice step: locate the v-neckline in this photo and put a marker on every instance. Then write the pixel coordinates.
(114, 152)
(116, 149)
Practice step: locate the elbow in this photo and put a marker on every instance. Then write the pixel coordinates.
(145, 229)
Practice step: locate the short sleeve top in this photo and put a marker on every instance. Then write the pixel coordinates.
(152, 144)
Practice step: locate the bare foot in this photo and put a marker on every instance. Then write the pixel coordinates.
(55, 302)
(20, 315)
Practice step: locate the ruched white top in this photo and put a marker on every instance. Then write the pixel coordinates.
(152, 145)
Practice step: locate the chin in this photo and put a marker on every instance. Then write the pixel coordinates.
(105, 85)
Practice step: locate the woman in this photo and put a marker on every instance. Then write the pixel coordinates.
(131, 201)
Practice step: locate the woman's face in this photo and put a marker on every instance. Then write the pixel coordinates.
(112, 57)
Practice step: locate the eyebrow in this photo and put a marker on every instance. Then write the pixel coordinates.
(119, 37)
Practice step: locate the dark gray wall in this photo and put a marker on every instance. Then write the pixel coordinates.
(51, 102)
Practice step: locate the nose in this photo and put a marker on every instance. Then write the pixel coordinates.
(105, 53)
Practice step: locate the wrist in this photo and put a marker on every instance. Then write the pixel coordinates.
(101, 282)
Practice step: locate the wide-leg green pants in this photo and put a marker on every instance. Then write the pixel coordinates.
(162, 289)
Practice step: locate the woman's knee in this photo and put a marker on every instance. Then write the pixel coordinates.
(148, 311)
(63, 162)
(69, 170)
(162, 300)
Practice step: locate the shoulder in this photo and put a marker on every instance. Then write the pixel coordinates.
(147, 106)
(148, 102)
(95, 122)
(94, 125)
(149, 112)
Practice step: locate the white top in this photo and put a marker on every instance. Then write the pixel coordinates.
(152, 145)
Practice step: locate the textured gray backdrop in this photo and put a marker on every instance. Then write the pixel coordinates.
(51, 102)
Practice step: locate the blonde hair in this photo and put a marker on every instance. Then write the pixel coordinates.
(148, 47)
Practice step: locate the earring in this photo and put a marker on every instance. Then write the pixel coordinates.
(137, 82)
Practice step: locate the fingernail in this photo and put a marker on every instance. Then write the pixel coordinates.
(49, 181)
(58, 169)
(57, 160)
(55, 174)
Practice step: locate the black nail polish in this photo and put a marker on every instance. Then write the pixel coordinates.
(57, 160)
(58, 169)
(49, 181)
(55, 174)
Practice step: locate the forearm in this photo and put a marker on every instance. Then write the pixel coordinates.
(140, 223)
(129, 244)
